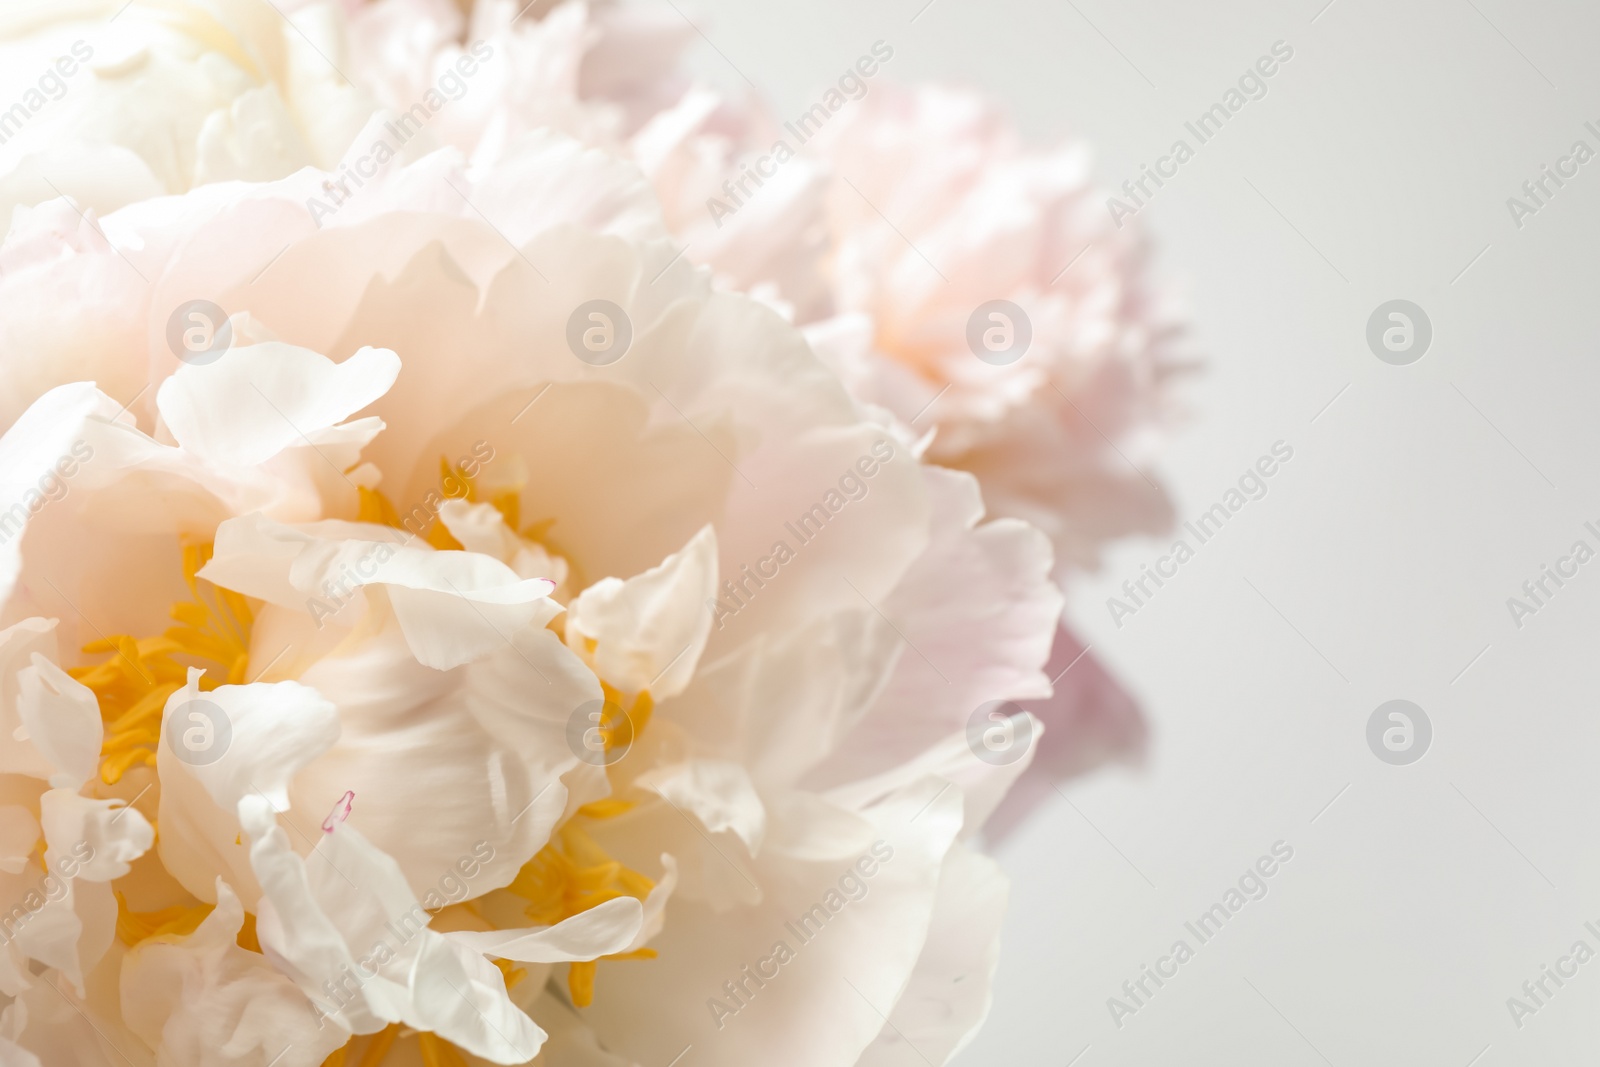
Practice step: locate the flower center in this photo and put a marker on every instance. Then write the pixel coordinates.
(133, 683)
(572, 874)
(568, 876)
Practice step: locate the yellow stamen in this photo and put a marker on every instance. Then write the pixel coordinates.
(621, 731)
(509, 505)
(247, 938)
(440, 537)
(376, 508)
(456, 484)
(379, 1046)
(609, 808)
(569, 876)
(572, 874)
(170, 924)
(438, 1053)
(180, 920)
(580, 982)
(133, 683)
(434, 1050)
(511, 973)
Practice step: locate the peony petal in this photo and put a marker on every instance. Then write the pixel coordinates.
(650, 1014)
(452, 606)
(647, 632)
(948, 995)
(718, 793)
(267, 732)
(19, 834)
(602, 930)
(96, 838)
(782, 703)
(347, 918)
(980, 612)
(571, 1043)
(19, 643)
(258, 400)
(983, 785)
(202, 999)
(460, 775)
(62, 719)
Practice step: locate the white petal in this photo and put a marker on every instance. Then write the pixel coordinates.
(203, 1000)
(12, 1055)
(647, 632)
(270, 732)
(719, 793)
(62, 718)
(982, 785)
(572, 1043)
(19, 833)
(602, 930)
(459, 775)
(649, 1014)
(782, 703)
(347, 916)
(257, 400)
(950, 989)
(102, 836)
(481, 528)
(712, 823)
(13, 1021)
(19, 643)
(655, 904)
(70, 924)
(452, 606)
(299, 937)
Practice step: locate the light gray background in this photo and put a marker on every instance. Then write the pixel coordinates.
(1379, 565)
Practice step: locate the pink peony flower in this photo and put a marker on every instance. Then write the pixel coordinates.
(936, 210)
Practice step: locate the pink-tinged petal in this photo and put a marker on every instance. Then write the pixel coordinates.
(1090, 720)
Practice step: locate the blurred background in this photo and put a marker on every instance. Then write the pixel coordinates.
(1420, 496)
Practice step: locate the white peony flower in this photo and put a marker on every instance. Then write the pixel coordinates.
(894, 225)
(110, 101)
(522, 646)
